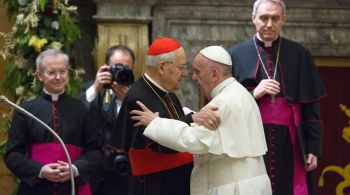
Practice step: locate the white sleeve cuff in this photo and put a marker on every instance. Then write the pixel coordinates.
(41, 173)
(75, 170)
(90, 94)
(187, 110)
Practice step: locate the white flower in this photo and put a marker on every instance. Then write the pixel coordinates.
(22, 66)
(19, 90)
(20, 17)
(55, 45)
(22, 2)
(55, 25)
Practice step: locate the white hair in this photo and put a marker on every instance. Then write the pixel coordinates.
(225, 69)
(279, 2)
(152, 61)
(50, 52)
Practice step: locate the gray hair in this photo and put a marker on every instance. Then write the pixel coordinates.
(50, 52)
(225, 69)
(279, 2)
(152, 61)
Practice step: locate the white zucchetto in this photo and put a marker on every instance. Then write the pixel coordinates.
(217, 54)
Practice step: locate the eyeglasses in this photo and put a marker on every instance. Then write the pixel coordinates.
(53, 73)
(180, 67)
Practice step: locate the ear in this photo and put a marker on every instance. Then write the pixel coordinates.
(284, 18)
(161, 67)
(39, 74)
(253, 18)
(214, 73)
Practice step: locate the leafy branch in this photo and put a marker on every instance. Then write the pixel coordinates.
(39, 25)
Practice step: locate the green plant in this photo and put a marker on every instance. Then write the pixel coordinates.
(39, 24)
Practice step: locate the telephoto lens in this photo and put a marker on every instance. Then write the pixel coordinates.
(121, 164)
(116, 161)
(122, 74)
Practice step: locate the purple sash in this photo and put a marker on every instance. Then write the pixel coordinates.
(52, 152)
(279, 113)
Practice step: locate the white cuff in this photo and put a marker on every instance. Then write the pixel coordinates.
(75, 169)
(187, 110)
(41, 173)
(90, 94)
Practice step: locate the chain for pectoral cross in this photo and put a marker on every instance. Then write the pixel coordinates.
(169, 106)
(263, 65)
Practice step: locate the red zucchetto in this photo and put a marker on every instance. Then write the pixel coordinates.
(163, 45)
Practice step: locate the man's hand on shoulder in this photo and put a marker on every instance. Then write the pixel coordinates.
(144, 116)
(207, 118)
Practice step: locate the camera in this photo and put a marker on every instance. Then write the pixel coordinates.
(117, 162)
(121, 74)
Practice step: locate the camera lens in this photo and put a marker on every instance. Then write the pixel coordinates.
(122, 75)
(125, 77)
(121, 164)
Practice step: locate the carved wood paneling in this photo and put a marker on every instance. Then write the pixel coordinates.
(134, 36)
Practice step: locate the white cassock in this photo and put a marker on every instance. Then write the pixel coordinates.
(227, 161)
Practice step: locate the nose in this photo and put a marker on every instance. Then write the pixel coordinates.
(269, 22)
(58, 75)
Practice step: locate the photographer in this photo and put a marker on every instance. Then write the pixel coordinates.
(105, 95)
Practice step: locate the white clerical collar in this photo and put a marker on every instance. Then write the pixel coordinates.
(54, 96)
(214, 92)
(154, 83)
(266, 43)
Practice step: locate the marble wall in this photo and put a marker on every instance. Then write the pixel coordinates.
(323, 26)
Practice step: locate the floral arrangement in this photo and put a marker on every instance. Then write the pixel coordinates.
(39, 25)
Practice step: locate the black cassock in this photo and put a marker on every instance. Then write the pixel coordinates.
(105, 181)
(301, 87)
(72, 122)
(157, 171)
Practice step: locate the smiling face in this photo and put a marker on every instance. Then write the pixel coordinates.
(268, 20)
(53, 72)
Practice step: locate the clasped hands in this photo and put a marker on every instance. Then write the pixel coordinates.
(205, 117)
(57, 172)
